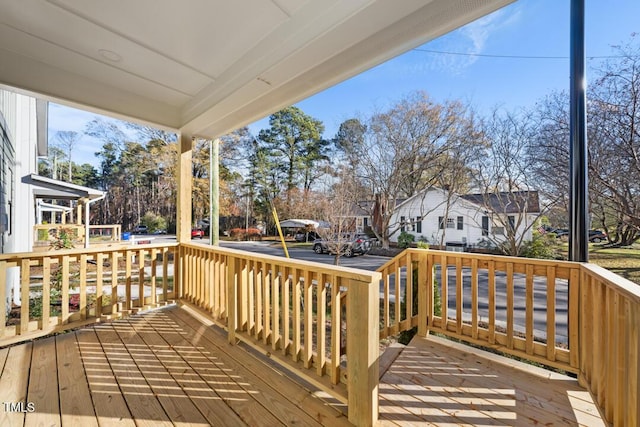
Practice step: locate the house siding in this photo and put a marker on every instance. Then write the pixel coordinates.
(432, 205)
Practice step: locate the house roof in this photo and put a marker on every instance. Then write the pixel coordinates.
(208, 67)
(507, 202)
(47, 188)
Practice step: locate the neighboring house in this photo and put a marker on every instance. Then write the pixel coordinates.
(24, 195)
(474, 220)
(23, 139)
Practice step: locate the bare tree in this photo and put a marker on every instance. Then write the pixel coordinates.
(66, 141)
(336, 209)
(506, 187)
(402, 151)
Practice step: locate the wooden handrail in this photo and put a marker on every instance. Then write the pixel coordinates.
(601, 309)
(294, 311)
(69, 288)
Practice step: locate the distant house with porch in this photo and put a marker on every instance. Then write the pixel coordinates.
(471, 220)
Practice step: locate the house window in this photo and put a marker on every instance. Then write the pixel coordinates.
(413, 224)
(498, 231)
(485, 225)
(402, 222)
(512, 222)
(365, 220)
(460, 222)
(450, 222)
(418, 224)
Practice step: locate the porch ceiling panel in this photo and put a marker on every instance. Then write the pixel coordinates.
(208, 66)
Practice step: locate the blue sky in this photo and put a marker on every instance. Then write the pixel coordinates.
(510, 59)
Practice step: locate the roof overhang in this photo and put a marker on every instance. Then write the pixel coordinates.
(47, 188)
(208, 67)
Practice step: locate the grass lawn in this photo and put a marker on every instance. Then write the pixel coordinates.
(623, 261)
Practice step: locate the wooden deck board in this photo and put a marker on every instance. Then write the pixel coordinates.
(299, 400)
(76, 406)
(157, 368)
(14, 383)
(172, 367)
(443, 384)
(43, 385)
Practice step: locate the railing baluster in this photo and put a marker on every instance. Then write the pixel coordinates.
(99, 258)
(408, 289)
(82, 308)
(266, 301)
(321, 326)
(46, 291)
(114, 283)
(286, 304)
(127, 274)
(444, 278)
(529, 325)
(336, 329)
(25, 274)
(474, 298)
(510, 305)
(296, 345)
(65, 289)
(491, 277)
(308, 320)
(551, 313)
(275, 305)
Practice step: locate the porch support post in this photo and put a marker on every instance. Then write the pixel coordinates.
(363, 351)
(578, 178)
(214, 184)
(183, 223)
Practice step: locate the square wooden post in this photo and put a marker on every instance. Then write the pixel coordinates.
(363, 327)
(183, 232)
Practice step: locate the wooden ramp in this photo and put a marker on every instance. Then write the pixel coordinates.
(438, 382)
(160, 368)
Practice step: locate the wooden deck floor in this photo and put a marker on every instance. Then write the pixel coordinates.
(166, 368)
(160, 368)
(437, 382)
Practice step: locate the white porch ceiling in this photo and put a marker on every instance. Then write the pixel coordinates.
(206, 67)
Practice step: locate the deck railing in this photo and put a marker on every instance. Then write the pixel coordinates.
(45, 234)
(325, 322)
(295, 312)
(68, 288)
(576, 317)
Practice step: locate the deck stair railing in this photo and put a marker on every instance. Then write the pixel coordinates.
(576, 317)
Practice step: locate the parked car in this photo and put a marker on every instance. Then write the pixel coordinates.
(597, 236)
(349, 245)
(197, 232)
(309, 236)
(561, 232)
(140, 229)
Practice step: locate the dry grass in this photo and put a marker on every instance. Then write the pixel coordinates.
(622, 261)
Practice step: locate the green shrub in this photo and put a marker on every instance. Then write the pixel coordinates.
(405, 240)
(544, 246)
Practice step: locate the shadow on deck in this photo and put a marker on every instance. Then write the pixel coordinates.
(165, 367)
(159, 368)
(438, 382)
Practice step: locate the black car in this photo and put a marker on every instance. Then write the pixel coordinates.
(597, 236)
(561, 232)
(309, 236)
(348, 245)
